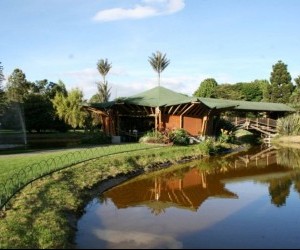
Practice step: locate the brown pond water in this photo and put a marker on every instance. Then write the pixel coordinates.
(246, 200)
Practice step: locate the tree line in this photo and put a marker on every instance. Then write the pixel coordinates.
(49, 106)
(280, 88)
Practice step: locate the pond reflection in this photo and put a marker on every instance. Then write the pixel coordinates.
(216, 202)
(188, 187)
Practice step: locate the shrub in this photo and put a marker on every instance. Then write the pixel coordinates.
(154, 137)
(289, 125)
(226, 136)
(224, 124)
(179, 137)
(207, 147)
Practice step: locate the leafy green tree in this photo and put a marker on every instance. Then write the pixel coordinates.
(295, 97)
(297, 81)
(53, 88)
(103, 67)
(39, 86)
(17, 86)
(39, 113)
(1, 75)
(2, 92)
(251, 91)
(264, 86)
(38, 109)
(228, 91)
(159, 62)
(96, 98)
(68, 108)
(49, 89)
(207, 88)
(93, 120)
(281, 83)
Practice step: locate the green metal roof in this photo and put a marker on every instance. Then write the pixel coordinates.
(245, 105)
(102, 105)
(160, 96)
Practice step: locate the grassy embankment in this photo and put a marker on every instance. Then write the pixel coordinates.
(41, 215)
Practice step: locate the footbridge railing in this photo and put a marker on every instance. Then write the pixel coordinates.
(265, 126)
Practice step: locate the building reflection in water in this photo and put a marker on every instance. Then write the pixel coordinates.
(188, 187)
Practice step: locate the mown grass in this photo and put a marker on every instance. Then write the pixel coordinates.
(39, 217)
(44, 214)
(10, 164)
(13, 179)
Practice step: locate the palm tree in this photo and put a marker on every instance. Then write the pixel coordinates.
(103, 92)
(158, 62)
(103, 67)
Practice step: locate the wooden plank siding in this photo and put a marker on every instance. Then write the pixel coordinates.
(192, 125)
(170, 121)
(191, 117)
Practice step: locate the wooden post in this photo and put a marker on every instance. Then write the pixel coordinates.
(157, 118)
(180, 122)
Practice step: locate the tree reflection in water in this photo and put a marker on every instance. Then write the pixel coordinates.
(188, 186)
(279, 190)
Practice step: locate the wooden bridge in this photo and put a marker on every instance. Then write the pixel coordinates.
(265, 126)
(265, 157)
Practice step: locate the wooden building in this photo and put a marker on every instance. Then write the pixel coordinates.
(161, 108)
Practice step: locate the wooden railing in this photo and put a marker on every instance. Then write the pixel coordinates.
(266, 126)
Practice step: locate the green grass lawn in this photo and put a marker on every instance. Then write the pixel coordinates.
(12, 163)
(18, 170)
(40, 216)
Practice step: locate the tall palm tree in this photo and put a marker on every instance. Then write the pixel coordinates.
(158, 62)
(103, 92)
(103, 67)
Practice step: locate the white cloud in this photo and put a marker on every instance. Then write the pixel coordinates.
(87, 74)
(174, 6)
(147, 8)
(87, 78)
(134, 239)
(124, 84)
(93, 73)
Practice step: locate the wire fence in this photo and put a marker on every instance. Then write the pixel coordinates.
(30, 173)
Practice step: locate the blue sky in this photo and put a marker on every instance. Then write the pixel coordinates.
(229, 40)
